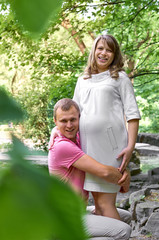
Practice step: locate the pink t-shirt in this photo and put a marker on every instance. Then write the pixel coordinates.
(60, 159)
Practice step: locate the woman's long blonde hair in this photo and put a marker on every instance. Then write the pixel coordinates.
(116, 65)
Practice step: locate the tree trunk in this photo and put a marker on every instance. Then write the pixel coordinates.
(66, 24)
(13, 81)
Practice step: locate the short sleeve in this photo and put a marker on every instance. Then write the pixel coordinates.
(128, 98)
(67, 153)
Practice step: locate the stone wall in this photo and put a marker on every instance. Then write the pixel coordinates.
(150, 138)
(144, 207)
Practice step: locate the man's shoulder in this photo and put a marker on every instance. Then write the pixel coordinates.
(66, 150)
(65, 145)
(62, 140)
(62, 143)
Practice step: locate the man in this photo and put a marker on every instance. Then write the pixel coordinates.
(67, 160)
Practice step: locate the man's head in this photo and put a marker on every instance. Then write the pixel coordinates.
(66, 117)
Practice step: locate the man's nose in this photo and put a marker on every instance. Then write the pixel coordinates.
(69, 124)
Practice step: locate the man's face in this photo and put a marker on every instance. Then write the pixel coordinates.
(68, 122)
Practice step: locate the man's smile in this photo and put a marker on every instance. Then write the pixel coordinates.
(71, 130)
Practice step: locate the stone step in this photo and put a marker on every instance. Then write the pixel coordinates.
(38, 159)
(145, 149)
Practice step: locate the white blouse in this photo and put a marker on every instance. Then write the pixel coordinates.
(104, 103)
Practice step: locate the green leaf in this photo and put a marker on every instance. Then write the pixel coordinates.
(19, 150)
(9, 108)
(36, 206)
(35, 15)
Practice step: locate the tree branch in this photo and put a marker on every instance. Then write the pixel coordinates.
(144, 40)
(142, 84)
(136, 49)
(96, 5)
(66, 24)
(106, 4)
(132, 19)
(144, 73)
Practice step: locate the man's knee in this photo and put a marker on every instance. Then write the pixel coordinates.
(99, 226)
(125, 233)
(125, 216)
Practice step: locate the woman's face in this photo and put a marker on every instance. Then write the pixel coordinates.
(103, 56)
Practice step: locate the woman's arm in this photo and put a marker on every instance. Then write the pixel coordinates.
(132, 135)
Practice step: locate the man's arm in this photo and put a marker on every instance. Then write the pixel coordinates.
(70, 154)
(90, 165)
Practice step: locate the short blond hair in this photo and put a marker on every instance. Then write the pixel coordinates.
(65, 104)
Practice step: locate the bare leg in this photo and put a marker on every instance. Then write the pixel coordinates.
(105, 204)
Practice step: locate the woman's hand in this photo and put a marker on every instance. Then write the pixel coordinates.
(54, 133)
(125, 155)
(133, 125)
(124, 182)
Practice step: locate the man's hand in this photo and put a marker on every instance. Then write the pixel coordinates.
(124, 182)
(113, 175)
(90, 165)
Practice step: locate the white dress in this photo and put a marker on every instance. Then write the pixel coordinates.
(103, 102)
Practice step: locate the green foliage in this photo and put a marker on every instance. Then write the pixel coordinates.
(9, 108)
(148, 90)
(35, 15)
(34, 205)
(47, 70)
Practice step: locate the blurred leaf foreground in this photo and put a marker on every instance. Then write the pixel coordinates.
(34, 205)
(35, 15)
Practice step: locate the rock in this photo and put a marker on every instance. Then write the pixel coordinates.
(134, 198)
(135, 158)
(134, 164)
(135, 229)
(134, 170)
(150, 138)
(35, 159)
(144, 210)
(123, 203)
(152, 224)
(145, 149)
(142, 177)
(144, 206)
(153, 175)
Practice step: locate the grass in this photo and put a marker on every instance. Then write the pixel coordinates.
(154, 196)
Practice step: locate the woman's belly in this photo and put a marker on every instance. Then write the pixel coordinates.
(103, 138)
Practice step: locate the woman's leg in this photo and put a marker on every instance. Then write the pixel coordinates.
(105, 204)
(125, 215)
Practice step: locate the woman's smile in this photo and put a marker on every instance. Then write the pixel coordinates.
(103, 56)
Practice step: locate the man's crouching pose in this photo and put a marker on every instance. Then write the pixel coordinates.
(69, 162)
